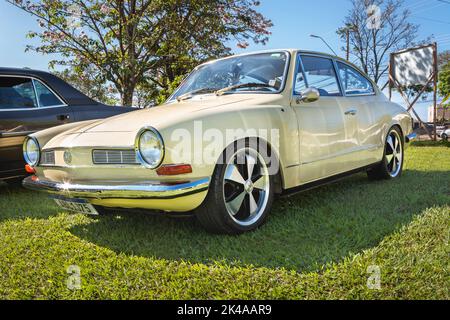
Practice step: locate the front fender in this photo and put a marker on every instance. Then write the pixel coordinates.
(201, 141)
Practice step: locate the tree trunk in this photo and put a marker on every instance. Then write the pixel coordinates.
(127, 95)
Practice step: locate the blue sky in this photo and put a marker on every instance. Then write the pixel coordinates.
(294, 21)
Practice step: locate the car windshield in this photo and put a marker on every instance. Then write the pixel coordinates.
(264, 72)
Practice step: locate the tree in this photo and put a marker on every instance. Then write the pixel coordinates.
(378, 27)
(444, 80)
(444, 59)
(129, 42)
(91, 83)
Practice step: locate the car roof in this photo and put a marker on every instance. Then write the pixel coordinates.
(69, 94)
(292, 51)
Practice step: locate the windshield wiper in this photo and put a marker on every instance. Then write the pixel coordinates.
(189, 95)
(243, 85)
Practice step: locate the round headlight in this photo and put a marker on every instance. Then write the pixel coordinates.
(150, 148)
(31, 151)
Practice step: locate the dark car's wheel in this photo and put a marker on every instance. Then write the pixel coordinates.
(241, 192)
(392, 164)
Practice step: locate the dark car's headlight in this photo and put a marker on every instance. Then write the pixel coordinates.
(149, 148)
(31, 151)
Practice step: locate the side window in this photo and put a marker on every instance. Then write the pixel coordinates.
(353, 81)
(320, 74)
(17, 93)
(300, 82)
(45, 96)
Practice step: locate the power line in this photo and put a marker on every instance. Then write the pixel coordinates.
(433, 20)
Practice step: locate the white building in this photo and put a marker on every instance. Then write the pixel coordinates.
(439, 112)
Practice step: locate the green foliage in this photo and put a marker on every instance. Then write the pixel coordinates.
(444, 59)
(130, 43)
(316, 245)
(444, 80)
(91, 83)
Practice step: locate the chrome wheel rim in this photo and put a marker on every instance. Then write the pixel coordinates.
(394, 154)
(246, 187)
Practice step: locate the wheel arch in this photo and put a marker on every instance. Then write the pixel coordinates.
(279, 176)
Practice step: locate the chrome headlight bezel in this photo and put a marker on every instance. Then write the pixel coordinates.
(139, 154)
(26, 151)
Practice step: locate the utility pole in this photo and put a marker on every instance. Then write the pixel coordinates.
(347, 31)
(326, 43)
(349, 28)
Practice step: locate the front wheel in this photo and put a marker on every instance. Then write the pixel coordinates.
(241, 193)
(392, 164)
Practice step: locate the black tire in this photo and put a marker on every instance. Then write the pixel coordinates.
(444, 137)
(384, 170)
(214, 215)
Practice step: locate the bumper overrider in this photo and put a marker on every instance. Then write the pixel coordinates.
(182, 196)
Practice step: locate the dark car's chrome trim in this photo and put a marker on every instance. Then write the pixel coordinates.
(155, 190)
(38, 107)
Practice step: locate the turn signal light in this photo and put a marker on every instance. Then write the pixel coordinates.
(29, 169)
(174, 170)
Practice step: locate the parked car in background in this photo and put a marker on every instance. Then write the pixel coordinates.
(32, 100)
(237, 132)
(445, 135)
(443, 132)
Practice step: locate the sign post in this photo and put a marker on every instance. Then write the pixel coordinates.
(416, 67)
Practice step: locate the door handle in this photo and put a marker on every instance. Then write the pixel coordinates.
(63, 117)
(351, 112)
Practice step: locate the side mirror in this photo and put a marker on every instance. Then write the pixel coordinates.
(309, 95)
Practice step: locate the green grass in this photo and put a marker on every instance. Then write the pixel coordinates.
(316, 245)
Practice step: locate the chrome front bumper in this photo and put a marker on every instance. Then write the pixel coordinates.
(153, 190)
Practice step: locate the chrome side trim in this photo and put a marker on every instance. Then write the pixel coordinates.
(153, 190)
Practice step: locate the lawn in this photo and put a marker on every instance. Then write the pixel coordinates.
(316, 245)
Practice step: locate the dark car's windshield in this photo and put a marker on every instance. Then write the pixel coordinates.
(267, 69)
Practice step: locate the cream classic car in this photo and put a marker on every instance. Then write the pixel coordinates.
(236, 133)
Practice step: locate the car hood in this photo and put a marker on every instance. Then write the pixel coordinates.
(126, 126)
(167, 114)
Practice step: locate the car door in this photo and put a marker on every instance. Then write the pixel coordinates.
(361, 96)
(327, 130)
(26, 105)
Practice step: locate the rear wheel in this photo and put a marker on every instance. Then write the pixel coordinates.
(240, 195)
(391, 166)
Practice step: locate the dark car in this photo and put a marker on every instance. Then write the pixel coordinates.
(32, 100)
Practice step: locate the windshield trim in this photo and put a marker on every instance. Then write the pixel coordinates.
(282, 87)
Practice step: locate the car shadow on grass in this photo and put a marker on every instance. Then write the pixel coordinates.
(19, 203)
(303, 233)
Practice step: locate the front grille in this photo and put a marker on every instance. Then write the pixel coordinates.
(114, 157)
(48, 158)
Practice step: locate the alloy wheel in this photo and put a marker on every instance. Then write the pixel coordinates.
(394, 154)
(246, 186)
